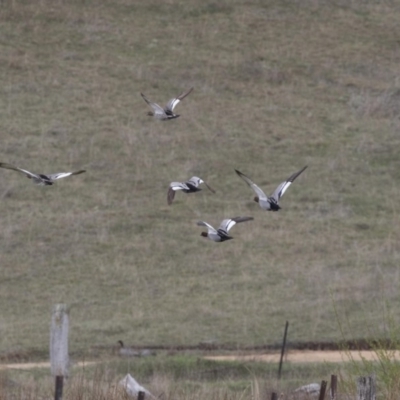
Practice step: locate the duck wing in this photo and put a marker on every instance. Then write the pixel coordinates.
(261, 195)
(210, 228)
(281, 189)
(24, 171)
(172, 103)
(158, 110)
(227, 224)
(60, 175)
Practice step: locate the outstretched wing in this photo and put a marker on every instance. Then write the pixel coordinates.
(158, 111)
(281, 189)
(173, 187)
(24, 171)
(60, 175)
(174, 101)
(171, 195)
(209, 227)
(227, 224)
(261, 195)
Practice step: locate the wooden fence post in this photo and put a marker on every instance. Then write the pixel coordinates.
(283, 350)
(59, 358)
(322, 390)
(333, 389)
(366, 388)
(140, 396)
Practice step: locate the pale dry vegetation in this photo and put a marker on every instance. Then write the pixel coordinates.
(278, 85)
(181, 377)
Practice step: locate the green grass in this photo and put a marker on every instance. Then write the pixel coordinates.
(278, 85)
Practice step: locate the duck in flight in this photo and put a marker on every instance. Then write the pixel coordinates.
(221, 234)
(190, 186)
(41, 179)
(167, 113)
(270, 203)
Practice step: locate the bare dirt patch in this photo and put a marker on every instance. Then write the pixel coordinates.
(44, 364)
(306, 356)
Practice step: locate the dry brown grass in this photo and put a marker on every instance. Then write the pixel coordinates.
(177, 378)
(278, 85)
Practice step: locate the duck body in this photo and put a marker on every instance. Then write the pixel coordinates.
(165, 113)
(190, 186)
(42, 179)
(45, 180)
(221, 234)
(270, 203)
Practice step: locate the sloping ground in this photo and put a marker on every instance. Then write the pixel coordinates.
(278, 85)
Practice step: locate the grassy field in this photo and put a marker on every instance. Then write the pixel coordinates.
(182, 377)
(277, 85)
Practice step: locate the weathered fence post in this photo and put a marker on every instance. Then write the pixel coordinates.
(283, 350)
(366, 388)
(140, 396)
(59, 347)
(274, 396)
(322, 390)
(333, 390)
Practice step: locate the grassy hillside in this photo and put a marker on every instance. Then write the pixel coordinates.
(278, 85)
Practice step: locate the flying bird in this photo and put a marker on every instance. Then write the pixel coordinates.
(270, 203)
(221, 234)
(190, 186)
(41, 179)
(166, 113)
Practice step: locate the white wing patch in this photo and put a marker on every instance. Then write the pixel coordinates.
(284, 187)
(227, 224)
(27, 173)
(178, 186)
(59, 175)
(209, 227)
(280, 190)
(172, 104)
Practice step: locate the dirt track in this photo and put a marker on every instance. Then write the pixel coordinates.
(40, 365)
(295, 356)
(306, 356)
